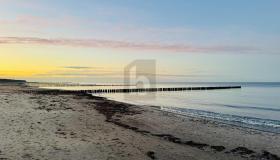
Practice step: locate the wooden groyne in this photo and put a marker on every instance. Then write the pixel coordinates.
(129, 90)
(158, 89)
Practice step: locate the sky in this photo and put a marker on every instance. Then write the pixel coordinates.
(93, 41)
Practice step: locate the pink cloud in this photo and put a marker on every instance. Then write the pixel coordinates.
(37, 21)
(95, 43)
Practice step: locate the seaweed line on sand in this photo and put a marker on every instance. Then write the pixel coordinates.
(111, 108)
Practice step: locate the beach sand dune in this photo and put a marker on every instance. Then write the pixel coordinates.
(36, 125)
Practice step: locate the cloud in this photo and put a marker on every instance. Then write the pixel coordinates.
(76, 67)
(116, 74)
(40, 21)
(96, 43)
(81, 71)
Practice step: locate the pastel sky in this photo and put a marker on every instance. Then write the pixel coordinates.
(93, 40)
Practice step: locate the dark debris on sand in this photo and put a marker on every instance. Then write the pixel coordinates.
(151, 154)
(112, 108)
(242, 151)
(218, 148)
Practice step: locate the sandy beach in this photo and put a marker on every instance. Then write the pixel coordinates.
(39, 125)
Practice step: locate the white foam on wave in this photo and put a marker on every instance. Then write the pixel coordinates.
(257, 123)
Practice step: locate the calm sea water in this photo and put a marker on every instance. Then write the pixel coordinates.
(255, 105)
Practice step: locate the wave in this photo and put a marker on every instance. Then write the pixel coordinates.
(246, 107)
(250, 122)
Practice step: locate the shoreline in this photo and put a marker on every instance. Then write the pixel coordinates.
(116, 130)
(171, 138)
(223, 121)
(228, 122)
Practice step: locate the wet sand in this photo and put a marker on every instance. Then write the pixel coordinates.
(46, 125)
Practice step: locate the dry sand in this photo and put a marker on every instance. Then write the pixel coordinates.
(36, 125)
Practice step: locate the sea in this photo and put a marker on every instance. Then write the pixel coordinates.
(256, 105)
